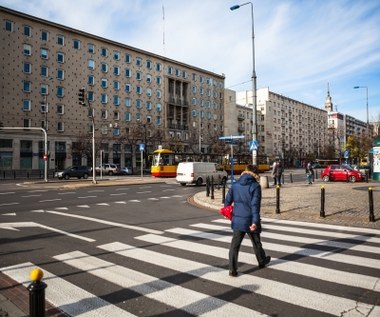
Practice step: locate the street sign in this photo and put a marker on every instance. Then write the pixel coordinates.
(142, 147)
(346, 154)
(253, 145)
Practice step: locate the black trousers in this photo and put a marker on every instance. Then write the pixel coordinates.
(237, 238)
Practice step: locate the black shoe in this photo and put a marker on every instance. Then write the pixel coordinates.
(233, 273)
(265, 263)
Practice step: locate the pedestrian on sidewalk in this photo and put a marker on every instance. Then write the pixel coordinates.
(277, 172)
(245, 195)
(309, 173)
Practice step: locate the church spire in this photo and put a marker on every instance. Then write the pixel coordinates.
(328, 102)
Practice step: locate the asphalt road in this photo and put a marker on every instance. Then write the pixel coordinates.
(143, 250)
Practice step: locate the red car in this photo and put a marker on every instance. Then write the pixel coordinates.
(343, 173)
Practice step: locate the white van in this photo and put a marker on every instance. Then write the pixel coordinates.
(197, 172)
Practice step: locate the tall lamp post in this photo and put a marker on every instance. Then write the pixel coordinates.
(254, 96)
(366, 88)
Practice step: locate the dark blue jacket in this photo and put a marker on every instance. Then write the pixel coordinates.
(245, 195)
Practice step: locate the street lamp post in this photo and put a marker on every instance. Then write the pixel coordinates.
(366, 88)
(254, 78)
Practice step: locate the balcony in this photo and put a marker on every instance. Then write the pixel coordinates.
(241, 117)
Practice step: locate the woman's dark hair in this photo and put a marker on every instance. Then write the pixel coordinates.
(252, 168)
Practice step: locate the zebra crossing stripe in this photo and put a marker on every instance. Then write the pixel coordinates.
(71, 299)
(170, 294)
(273, 289)
(326, 255)
(325, 242)
(318, 272)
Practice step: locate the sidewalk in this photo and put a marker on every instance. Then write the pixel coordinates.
(346, 204)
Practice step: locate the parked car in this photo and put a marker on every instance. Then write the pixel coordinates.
(126, 171)
(341, 172)
(74, 171)
(109, 169)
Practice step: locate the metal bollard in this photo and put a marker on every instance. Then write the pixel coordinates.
(212, 187)
(370, 197)
(277, 199)
(322, 212)
(207, 186)
(36, 294)
(291, 177)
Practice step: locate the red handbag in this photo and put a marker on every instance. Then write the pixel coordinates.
(227, 212)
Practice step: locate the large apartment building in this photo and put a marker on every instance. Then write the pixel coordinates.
(134, 97)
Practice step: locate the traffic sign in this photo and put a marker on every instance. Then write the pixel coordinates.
(142, 147)
(253, 145)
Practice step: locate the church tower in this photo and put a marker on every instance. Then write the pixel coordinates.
(328, 103)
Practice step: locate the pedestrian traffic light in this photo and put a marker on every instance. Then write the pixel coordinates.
(81, 96)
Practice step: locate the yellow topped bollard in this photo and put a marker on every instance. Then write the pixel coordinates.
(36, 294)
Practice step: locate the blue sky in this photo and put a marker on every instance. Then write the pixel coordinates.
(300, 45)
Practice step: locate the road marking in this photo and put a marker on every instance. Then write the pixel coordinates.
(49, 200)
(7, 193)
(305, 240)
(120, 202)
(106, 222)
(192, 302)
(26, 196)
(14, 225)
(164, 197)
(86, 197)
(287, 293)
(83, 206)
(9, 204)
(134, 201)
(326, 255)
(153, 198)
(72, 299)
(67, 193)
(96, 191)
(119, 194)
(318, 272)
(144, 192)
(61, 208)
(9, 214)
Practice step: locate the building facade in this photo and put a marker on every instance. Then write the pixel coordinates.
(132, 97)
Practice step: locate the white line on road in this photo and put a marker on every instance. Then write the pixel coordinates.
(9, 204)
(49, 200)
(118, 194)
(26, 196)
(86, 197)
(7, 193)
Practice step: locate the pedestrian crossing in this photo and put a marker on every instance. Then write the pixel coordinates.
(316, 270)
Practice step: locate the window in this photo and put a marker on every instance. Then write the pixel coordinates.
(44, 53)
(184, 74)
(170, 70)
(60, 109)
(128, 87)
(158, 107)
(60, 40)
(27, 49)
(27, 123)
(60, 57)
(91, 48)
(127, 102)
(158, 93)
(127, 116)
(76, 44)
(104, 98)
(44, 36)
(91, 64)
(138, 75)
(158, 67)
(194, 89)
(177, 72)
(194, 113)
(44, 71)
(149, 105)
(27, 68)
(138, 90)
(138, 61)
(116, 115)
(158, 80)
(104, 114)
(116, 55)
(149, 64)
(149, 92)
(116, 70)
(104, 82)
(148, 78)
(128, 73)
(116, 131)
(116, 85)
(149, 120)
(104, 67)
(60, 91)
(138, 103)
(194, 101)
(60, 126)
(26, 86)
(44, 89)
(104, 52)
(91, 80)
(8, 26)
(27, 31)
(26, 105)
(128, 58)
(158, 120)
(116, 100)
(90, 96)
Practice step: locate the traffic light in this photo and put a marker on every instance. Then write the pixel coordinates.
(81, 96)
